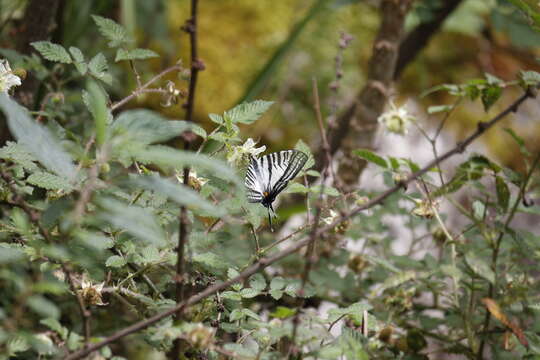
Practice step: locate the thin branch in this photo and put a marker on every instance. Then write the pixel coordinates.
(85, 313)
(143, 88)
(196, 66)
(310, 257)
(498, 242)
(267, 261)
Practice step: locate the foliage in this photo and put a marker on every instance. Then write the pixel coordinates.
(90, 197)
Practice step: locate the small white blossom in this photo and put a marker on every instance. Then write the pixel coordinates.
(396, 120)
(239, 155)
(7, 78)
(194, 181)
(331, 218)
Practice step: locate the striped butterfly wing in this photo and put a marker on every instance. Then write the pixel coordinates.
(271, 173)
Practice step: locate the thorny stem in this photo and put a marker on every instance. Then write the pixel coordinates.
(267, 261)
(497, 248)
(196, 65)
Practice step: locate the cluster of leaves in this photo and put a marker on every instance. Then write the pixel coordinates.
(91, 211)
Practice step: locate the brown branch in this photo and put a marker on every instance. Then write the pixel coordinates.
(418, 38)
(196, 66)
(267, 261)
(142, 89)
(357, 128)
(310, 258)
(496, 250)
(85, 313)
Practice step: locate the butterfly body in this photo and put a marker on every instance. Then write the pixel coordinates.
(270, 174)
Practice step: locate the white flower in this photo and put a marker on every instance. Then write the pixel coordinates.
(7, 79)
(331, 218)
(396, 120)
(195, 181)
(239, 155)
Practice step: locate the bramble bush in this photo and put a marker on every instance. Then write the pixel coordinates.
(96, 198)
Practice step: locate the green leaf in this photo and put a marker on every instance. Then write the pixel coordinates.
(249, 293)
(112, 31)
(490, 95)
(52, 52)
(257, 282)
(171, 158)
(49, 181)
(295, 188)
(17, 154)
(519, 140)
(137, 221)
(277, 283)
(371, 157)
(248, 113)
(37, 140)
(146, 127)
(355, 310)
(231, 295)
(10, 254)
(135, 54)
(283, 312)
(180, 194)
(98, 68)
(115, 261)
(503, 193)
(78, 56)
(328, 190)
(303, 147)
(276, 294)
(211, 261)
(43, 306)
(480, 267)
(439, 108)
(55, 325)
(96, 101)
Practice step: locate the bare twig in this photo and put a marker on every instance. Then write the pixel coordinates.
(196, 66)
(267, 261)
(85, 313)
(496, 249)
(144, 87)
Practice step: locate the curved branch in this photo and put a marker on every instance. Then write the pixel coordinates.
(267, 261)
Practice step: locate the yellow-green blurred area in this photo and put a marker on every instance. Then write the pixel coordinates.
(272, 50)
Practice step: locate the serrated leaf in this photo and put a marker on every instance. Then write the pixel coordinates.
(277, 283)
(146, 127)
(480, 267)
(295, 188)
(137, 221)
(355, 309)
(112, 31)
(98, 68)
(257, 282)
(231, 295)
(276, 294)
(371, 157)
(303, 147)
(135, 54)
(248, 113)
(17, 154)
(79, 63)
(52, 52)
(180, 194)
(37, 140)
(150, 254)
(249, 293)
(49, 181)
(211, 261)
(328, 190)
(490, 95)
(115, 261)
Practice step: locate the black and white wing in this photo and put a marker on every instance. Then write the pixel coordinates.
(271, 173)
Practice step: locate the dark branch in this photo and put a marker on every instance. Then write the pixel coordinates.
(267, 261)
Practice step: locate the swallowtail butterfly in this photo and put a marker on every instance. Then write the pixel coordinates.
(269, 175)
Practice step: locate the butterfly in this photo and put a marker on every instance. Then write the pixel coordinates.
(269, 175)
